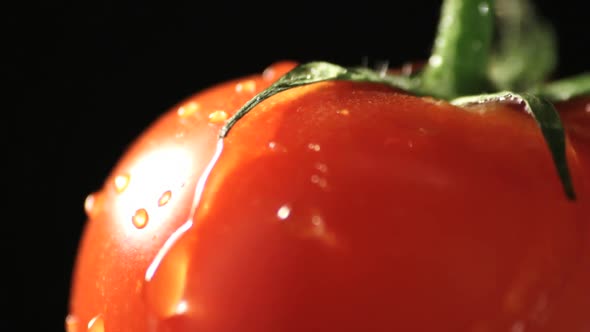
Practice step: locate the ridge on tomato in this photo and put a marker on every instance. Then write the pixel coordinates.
(314, 197)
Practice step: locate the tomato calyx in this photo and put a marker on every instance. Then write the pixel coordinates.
(548, 120)
(467, 68)
(315, 72)
(564, 89)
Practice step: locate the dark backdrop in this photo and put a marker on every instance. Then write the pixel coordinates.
(88, 77)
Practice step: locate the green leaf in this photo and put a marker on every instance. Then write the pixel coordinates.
(525, 53)
(548, 121)
(565, 89)
(314, 72)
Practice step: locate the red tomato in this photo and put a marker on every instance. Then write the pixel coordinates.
(338, 206)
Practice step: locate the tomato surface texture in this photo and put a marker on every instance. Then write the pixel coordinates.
(338, 206)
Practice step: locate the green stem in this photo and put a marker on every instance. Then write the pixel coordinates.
(459, 61)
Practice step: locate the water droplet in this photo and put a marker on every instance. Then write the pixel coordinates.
(435, 60)
(89, 204)
(247, 86)
(484, 8)
(121, 182)
(140, 218)
(269, 73)
(539, 314)
(321, 182)
(276, 147)
(188, 109)
(284, 212)
(314, 147)
(382, 67)
(72, 323)
(321, 167)
(92, 204)
(518, 327)
(317, 229)
(317, 220)
(181, 307)
(165, 198)
(164, 288)
(343, 112)
(408, 68)
(96, 324)
(218, 116)
(587, 108)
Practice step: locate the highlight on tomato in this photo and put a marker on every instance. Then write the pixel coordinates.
(453, 197)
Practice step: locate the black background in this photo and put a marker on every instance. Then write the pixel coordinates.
(85, 78)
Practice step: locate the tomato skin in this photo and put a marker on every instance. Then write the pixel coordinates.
(169, 156)
(339, 206)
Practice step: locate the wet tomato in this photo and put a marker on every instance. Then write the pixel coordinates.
(338, 206)
(315, 197)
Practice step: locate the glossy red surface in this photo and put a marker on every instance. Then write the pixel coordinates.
(338, 206)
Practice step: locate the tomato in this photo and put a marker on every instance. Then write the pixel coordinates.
(338, 206)
(349, 200)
